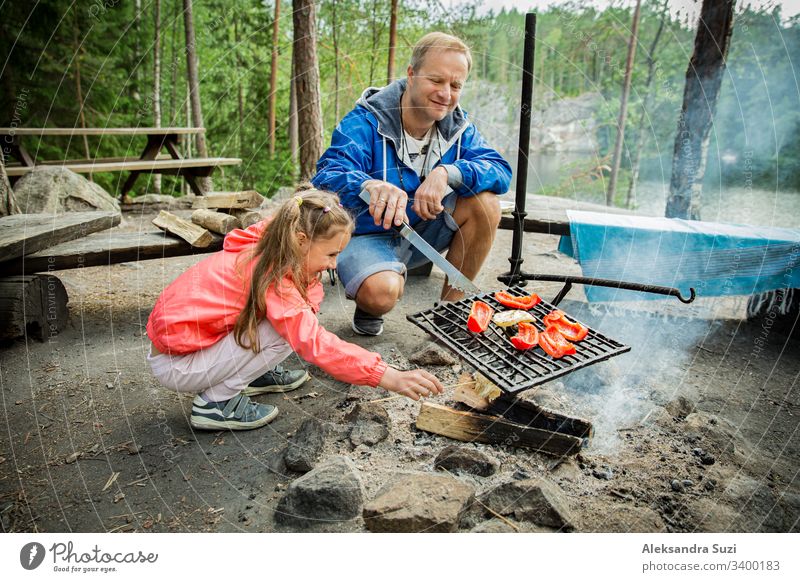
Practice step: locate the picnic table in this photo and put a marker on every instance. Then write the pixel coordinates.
(150, 161)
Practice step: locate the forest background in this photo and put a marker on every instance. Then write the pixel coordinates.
(110, 45)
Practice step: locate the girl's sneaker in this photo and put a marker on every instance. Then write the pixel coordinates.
(276, 380)
(238, 413)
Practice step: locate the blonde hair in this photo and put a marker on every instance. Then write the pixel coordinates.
(438, 41)
(316, 213)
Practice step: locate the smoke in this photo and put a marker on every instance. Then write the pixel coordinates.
(620, 392)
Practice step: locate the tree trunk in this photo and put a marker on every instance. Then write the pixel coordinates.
(638, 139)
(293, 137)
(157, 80)
(273, 79)
(192, 66)
(703, 80)
(7, 203)
(309, 111)
(173, 102)
(623, 107)
(137, 47)
(79, 86)
(335, 36)
(392, 42)
(239, 73)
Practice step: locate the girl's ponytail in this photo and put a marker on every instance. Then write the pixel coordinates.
(277, 255)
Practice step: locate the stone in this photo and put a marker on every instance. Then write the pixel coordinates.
(605, 473)
(417, 503)
(331, 492)
(370, 424)
(533, 500)
(433, 355)
(493, 526)
(55, 190)
(680, 407)
(677, 486)
(458, 459)
(305, 446)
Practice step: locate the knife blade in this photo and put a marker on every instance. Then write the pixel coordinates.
(454, 277)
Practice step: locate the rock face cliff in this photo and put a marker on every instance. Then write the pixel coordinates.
(562, 125)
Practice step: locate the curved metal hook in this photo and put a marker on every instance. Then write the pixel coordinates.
(691, 298)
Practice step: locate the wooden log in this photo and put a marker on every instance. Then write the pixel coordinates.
(246, 199)
(197, 236)
(35, 305)
(218, 222)
(520, 411)
(103, 249)
(248, 216)
(484, 428)
(23, 234)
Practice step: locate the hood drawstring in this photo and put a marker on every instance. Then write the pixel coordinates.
(384, 160)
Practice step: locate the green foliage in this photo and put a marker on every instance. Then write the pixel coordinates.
(579, 49)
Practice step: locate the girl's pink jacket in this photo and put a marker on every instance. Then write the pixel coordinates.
(200, 307)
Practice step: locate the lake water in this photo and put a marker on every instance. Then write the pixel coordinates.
(739, 205)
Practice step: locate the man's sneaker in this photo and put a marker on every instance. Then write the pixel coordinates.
(238, 413)
(276, 380)
(367, 324)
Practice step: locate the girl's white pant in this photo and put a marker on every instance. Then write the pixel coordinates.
(220, 371)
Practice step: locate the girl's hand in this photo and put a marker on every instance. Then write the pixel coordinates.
(412, 383)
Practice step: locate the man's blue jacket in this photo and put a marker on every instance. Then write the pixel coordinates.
(364, 147)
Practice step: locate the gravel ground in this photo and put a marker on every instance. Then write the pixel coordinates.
(696, 428)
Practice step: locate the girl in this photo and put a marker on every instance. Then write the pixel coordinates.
(222, 326)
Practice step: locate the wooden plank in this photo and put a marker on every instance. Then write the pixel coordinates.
(218, 222)
(94, 161)
(106, 248)
(484, 428)
(71, 131)
(197, 236)
(138, 165)
(548, 215)
(246, 199)
(28, 233)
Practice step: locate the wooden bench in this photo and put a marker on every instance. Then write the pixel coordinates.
(151, 161)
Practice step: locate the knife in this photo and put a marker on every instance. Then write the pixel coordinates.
(454, 277)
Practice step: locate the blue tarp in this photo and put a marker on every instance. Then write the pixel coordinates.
(714, 258)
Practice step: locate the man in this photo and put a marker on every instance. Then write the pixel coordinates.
(412, 148)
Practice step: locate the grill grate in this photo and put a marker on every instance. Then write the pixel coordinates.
(494, 356)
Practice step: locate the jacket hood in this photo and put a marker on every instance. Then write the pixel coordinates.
(384, 103)
(241, 239)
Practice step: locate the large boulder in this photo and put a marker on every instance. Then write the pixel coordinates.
(330, 493)
(55, 190)
(417, 503)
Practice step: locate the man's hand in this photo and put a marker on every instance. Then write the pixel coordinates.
(429, 195)
(387, 203)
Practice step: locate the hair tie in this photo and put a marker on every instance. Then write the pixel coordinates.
(299, 200)
(326, 210)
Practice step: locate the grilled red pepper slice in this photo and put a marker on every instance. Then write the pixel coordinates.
(514, 302)
(527, 336)
(555, 344)
(479, 317)
(572, 330)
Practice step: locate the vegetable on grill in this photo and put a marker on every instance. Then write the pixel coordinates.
(509, 318)
(555, 344)
(527, 337)
(479, 317)
(571, 330)
(514, 302)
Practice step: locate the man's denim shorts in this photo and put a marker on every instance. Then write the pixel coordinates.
(368, 254)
